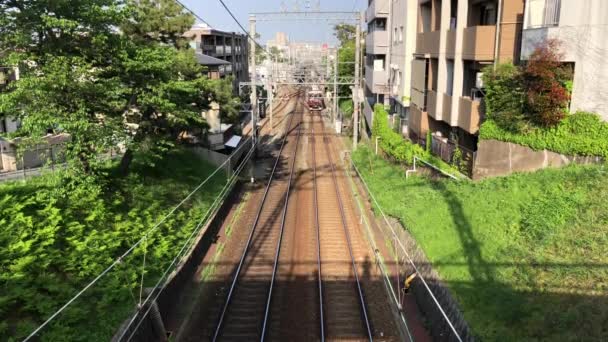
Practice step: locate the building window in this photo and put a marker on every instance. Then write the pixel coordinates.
(401, 33)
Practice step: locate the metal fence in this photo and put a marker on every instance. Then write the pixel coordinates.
(447, 151)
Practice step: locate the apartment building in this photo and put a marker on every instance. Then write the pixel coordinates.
(455, 40)
(402, 19)
(376, 56)
(581, 26)
(228, 46)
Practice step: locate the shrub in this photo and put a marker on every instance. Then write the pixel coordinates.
(402, 150)
(545, 78)
(534, 94)
(504, 96)
(581, 133)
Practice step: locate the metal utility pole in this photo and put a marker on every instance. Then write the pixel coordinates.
(270, 96)
(335, 87)
(356, 87)
(254, 97)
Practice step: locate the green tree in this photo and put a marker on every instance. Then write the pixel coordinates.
(138, 86)
(162, 21)
(345, 33)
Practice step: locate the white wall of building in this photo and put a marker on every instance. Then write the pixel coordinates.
(583, 32)
(403, 39)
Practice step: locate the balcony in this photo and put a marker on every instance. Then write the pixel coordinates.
(377, 9)
(468, 115)
(376, 43)
(376, 80)
(418, 123)
(368, 111)
(446, 114)
(478, 43)
(417, 98)
(450, 48)
(428, 42)
(431, 103)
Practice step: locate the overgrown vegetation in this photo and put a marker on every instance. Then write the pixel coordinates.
(400, 149)
(346, 107)
(55, 240)
(534, 94)
(580, 133)
(523, 255)
(527, 105)
(107, 72)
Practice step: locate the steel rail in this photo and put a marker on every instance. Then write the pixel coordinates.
(283, 216)
(318, 226)
(250, 237)
(347, 234)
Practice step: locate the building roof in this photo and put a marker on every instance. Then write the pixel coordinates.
(208, 60)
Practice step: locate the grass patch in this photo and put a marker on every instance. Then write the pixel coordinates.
(524, 255)
(57, 236)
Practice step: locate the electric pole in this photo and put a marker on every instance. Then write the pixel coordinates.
(271, 95)
(356, 87)
(254, 97)
(335, 87)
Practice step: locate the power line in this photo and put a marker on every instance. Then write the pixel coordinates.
(242, 27)
(192, 12)
(131, 249)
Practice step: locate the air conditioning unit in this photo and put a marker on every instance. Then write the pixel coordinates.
(479, 80)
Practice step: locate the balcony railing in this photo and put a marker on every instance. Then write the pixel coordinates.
(376, 43)
(468, 114)
(377, 9)
(431, 103)
(376, 80)
(418, 99)
(427, 42)
(478, 42)
(447, 109)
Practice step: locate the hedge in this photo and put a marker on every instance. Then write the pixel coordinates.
(399, 149)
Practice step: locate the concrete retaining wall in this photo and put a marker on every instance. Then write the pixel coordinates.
(498, 158)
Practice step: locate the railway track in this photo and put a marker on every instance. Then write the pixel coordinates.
(244, 315)
(301, 275)
(342, 302)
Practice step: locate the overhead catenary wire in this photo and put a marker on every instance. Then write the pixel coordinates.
(243, 28)
(192, 12)
(184, 247)
(128, 251)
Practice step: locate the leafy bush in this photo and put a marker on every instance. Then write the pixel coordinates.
(52, 243)
(544, 78)
(504, 96)
(402, 150)
(535, 94)
(581, 133)
(346, 106)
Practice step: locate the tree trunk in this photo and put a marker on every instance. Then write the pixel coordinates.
(125, 162)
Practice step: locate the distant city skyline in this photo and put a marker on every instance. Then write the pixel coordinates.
(311, 31)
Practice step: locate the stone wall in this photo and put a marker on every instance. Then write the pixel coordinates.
(498, 158)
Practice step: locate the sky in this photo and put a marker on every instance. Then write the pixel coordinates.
(311, 31)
